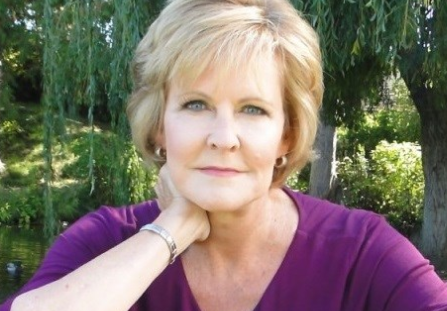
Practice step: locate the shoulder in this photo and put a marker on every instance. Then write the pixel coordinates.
(355, 235)
(326, 219)
(358, 240)
(381, 267)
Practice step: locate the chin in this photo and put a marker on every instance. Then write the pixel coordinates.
(224, 201)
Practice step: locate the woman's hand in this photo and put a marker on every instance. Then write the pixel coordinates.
(174, 205)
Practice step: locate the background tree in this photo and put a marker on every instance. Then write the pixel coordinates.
(422, 63)
(362, 41)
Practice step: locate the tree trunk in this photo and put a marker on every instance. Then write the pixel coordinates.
(432, 108)
(434, 160)
(323, 169)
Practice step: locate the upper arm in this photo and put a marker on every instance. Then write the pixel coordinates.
(407, 281)
(400, 277)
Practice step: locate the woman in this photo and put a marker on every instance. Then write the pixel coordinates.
(226, 99)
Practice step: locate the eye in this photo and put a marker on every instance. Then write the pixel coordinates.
(250, 109)
(195, 105)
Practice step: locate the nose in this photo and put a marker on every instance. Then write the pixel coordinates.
(224, 134)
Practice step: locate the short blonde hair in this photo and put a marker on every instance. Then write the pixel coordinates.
(191, 35)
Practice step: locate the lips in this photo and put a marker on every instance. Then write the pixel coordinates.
(219, 171)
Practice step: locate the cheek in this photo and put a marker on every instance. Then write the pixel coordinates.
(174, 134)
(265, 144)
(182, 139)
(263, 154)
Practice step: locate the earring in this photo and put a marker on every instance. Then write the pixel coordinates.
(160, 153)
(281, 162)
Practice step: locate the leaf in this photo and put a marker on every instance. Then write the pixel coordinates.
(356, 50)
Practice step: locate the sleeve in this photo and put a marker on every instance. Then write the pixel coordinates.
(400, 278)
(86, 239)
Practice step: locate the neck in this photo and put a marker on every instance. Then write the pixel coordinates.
(257, 226)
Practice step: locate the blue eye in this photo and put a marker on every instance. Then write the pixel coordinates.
(250, 109)
(195, 105)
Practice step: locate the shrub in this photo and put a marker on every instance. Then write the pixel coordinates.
(21, 206)
(5, 214)
(300, 180)
(399, 124)
(390, 183)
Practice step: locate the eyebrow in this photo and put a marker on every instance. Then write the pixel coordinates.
(244, 99)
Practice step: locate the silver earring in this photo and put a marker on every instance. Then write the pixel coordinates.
(281, 162)
(160, 153)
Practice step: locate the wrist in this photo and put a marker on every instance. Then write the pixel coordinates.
(166, 236)
(180, 226)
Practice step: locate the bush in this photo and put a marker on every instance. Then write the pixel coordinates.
(399, 124)
(300, 180)
(21, 206)
(5, 213)
(390, 183)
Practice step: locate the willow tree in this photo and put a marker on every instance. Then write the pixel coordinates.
(362, 42)
(87, 54)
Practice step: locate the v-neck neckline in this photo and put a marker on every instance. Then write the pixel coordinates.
(282, 267)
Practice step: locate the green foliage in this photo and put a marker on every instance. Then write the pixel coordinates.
(374, 174)
(300, 180)
(397, 121)
(142, 179)
(21, 206)
(359, 41)
(9, 132)
(137, 180)
(72, 192)
(94, 41)
(386, 124)
(20, 51)
(390, 183)
(5, 213)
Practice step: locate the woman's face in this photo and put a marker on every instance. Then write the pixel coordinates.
(222, 136)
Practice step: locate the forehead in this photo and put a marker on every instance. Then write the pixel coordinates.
(260, 77)
(261, 69)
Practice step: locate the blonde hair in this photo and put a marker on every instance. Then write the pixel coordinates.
(191, 35)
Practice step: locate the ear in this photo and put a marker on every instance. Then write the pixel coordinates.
(160, 139)
(285, 144)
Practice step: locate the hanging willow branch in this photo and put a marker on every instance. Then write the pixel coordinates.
(88, 51)
(48, 70)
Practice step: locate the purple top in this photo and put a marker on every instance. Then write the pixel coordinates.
(339, 259)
